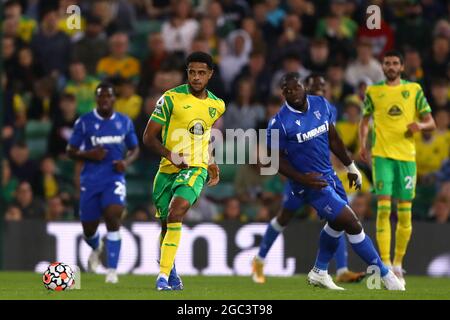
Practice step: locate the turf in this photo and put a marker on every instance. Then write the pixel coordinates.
(27, 285)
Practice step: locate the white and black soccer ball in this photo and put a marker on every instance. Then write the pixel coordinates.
(58, 277)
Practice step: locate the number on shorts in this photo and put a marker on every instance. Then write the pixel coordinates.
(120, 189)
(409, 182)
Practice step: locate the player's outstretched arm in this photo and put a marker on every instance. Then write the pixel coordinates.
(338, 148)
(150, 139)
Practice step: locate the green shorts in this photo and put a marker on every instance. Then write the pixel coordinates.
(394, 178)
(187, 184)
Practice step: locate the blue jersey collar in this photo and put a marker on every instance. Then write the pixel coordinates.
(295, 110)
(101, 118)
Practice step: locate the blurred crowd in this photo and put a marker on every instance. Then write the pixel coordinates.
(50, 71)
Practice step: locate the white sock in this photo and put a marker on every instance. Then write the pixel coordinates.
(276, 225)
(319, 271)
(164, 276)
(113, 235)
(356, 238)
(341, 271)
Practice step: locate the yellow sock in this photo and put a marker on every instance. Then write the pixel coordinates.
(384, 230)
(403, 232)
(169, 247)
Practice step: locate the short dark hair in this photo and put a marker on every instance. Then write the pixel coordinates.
(104, 85)
(394, 53)
(288, 77)
(312, 76)
(199, 56)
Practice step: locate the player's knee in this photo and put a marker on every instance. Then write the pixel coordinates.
(177, 209)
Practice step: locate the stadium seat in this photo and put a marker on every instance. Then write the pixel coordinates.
(138, 43)
(36, 136)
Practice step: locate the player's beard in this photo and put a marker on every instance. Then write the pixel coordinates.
(392, 76)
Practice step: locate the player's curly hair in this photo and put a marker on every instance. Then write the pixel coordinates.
(199, 56)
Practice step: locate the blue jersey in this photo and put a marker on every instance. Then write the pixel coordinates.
(115, 134)
(303, 136)
(303, 140)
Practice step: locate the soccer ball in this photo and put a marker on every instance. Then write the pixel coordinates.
(58, 276)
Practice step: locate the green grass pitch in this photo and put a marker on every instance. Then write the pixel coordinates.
(28, 285)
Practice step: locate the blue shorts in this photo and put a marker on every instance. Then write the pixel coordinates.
(94, 199)
(328, 201)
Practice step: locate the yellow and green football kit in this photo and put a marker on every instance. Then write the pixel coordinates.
(393, 108)
(187, 123)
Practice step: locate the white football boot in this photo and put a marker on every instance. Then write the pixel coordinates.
(391, 282)
(323, 280)
(111, 276)
(398, 271)
(94, 258)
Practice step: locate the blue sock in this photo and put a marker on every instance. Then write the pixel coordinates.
(272, 232)
(173, 272)
(363, 246)
(93, 241)
(341, 255)
(328, 243)
(113, 243)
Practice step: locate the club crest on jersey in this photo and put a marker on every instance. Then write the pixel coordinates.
(118, 125)
(317, 114)
(405, 94)
(97, 126)
(212, 112)
(297, 122)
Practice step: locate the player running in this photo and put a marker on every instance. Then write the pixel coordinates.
(314, 85)
(100, 139)
(395, 105)
(306, 136)
(185, 116)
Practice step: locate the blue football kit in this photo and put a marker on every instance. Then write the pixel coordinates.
(100, 184)
(303, 141)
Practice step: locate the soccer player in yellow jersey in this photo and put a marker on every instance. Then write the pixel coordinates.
(184, 116)
(399, 109)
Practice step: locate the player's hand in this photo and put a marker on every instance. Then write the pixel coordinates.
(312, 180)
(364, 154)
(178, 160)
(354, 177)
(120, 165)
(413, 128)
(97, 154)
(214, 174)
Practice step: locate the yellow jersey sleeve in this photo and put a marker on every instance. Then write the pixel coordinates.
(422, 105)
(163, 110)
(368, 104)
